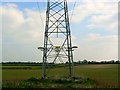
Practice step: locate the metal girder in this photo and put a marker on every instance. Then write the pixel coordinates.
(57, 22)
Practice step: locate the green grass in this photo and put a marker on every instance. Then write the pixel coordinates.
(21, 67)
(16, 75)
(105, 75)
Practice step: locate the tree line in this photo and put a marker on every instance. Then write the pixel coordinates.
(77, 62)
(97, 62)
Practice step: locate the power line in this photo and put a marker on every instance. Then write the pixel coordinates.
(73, 11)
(40, 15)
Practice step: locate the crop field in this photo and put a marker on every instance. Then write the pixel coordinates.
(104, 75)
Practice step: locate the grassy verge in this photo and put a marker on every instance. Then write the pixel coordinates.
(51, 83)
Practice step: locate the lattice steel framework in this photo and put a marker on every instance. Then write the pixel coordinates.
(57, 26)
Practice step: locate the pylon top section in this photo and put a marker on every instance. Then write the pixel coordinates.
(57, 18)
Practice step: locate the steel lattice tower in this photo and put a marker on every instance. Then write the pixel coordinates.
(57, 26)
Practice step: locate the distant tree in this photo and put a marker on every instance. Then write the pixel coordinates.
(66, 62)
(84, 61)
(104, 62)
(112, 62)
(94, 62)
(75, 62)
(117, 62)
(79, 62)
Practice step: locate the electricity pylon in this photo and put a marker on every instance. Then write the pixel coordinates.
(57, 26)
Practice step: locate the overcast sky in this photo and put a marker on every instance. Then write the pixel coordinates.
(94, 27)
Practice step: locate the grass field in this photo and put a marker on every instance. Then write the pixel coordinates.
(105, 75)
